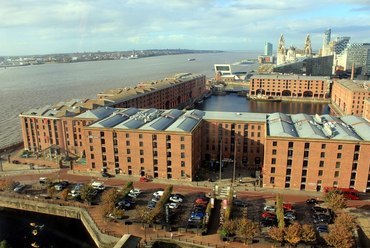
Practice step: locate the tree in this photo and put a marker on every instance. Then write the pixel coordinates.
(64, 194)
(339, 237)
(109, 199)
(280, 211)
(86, 193)
(246, 229)
(276, 234)
(308, 233)
(228, 228)
(7, 185)
(51, 191)
(335, 199)
(346, 220)
(293, 234)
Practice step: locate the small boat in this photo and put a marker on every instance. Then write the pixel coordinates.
(34, 232)
(33, 224)
(34, 244)
(191, 59)
(264, 98)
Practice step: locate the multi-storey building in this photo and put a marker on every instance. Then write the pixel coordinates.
(173, 92)
(149, 142)
(305, 152)
(349, 95)
(57, 128)
(290, 86)
(366, 112)
(43, 128)
(230, 135)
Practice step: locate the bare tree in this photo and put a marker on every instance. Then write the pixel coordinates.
(339, 237)
(246, 229)
(308, 233)
(276, 234)
(293, 234)
(335, 200)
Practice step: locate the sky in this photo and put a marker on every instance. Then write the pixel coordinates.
(61, 26)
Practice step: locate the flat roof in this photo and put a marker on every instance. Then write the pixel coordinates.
(289, 77)
(235, 116)
(350, 128)
(355, 85)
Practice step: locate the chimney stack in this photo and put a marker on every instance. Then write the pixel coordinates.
(353, 71)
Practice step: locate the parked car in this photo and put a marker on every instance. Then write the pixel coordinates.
(269, 208)
(197, 215)
(151, 204)
(106, 174)
(98, 185)
(176, 198)
(135, 191)
(43, 180)
(58, 186)
(125, 204)
(311, 201)
(114, 217)
(268, 222)
(144, 179)
(19, 187)
(268, 215)
(155, 199)
(240, 203)
(321, 218)
(173, 205)
(201, 201)
(317, 209)
(158, 194)
(290, 215)
(322, 228)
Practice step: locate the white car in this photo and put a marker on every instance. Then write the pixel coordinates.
(173, 205)
(98, 185)
(158, 194)
(269, 208)
(176, 199)
(19, 187)
(135, 191)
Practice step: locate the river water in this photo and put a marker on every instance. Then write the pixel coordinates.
(22, 88)
(57, 232)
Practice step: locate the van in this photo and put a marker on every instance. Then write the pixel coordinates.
(98, 185)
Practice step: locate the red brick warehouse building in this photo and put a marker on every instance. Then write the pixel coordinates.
(304, 152)
(290, 86)
(55, 126)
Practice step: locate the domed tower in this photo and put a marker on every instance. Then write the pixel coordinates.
(307, 47)
(281, 51)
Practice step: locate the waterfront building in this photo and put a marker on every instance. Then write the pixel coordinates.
(315, 66)
(178, 91)
(292, 54)
(43, 128)
(305, 152)
(348, 96)
(55, 127)
(296, 86)
(145, 142)
(230, 73)
(224, 132)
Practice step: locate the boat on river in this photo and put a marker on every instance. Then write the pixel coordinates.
(263, 98)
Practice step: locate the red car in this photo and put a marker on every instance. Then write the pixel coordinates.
(268, 215)
(144, 179)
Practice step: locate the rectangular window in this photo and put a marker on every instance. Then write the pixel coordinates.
(182, 155)
(340, 147)
(274, 143)
(129, 159)
(321, 164)
(336, 174)
(323, 146)
(128, 151)
(337, 165)
(320, 173)
(141, 143)
(127, 135)
(183, 147)
(289, 162)
(182, 163)
(140, 136)
(142, 160)
(272, 180)
(92, 156)
(290, 144)
(339, 155)
(272, 169)
(322, 155)
(306, 145)
(127, 142)
(182, 138)
(141, 152)
(274, 152)
(182, 173)
(273, 161)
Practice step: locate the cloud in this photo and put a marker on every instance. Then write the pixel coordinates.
(141, 24)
